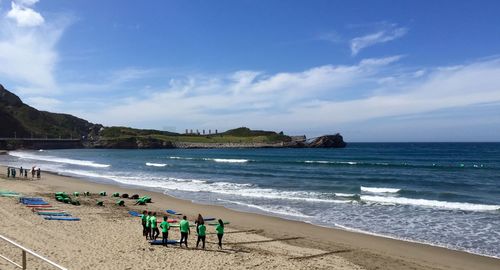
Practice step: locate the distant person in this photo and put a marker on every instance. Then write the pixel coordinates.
(154, 226)
(198, 221)
(144, 217)
(25, 173)
(13, 172)
(33, 172)
(38, 173)
(8, 172)
(21, 171)
(220, 232)
(202, 232)
(165, 226)
(184, 228)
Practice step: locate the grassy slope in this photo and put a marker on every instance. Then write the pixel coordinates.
(26, 121)
(240, 135)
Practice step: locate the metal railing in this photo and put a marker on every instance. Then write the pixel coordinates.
(24, 251)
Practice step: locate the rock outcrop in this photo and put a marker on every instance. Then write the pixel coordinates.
(328, 141)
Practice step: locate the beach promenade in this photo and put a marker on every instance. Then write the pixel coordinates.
(109, 238)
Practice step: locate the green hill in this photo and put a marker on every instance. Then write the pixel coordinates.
(23, 121)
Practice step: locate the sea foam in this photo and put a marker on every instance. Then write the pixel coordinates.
(379, 190)
(430, 203)
(227, 160)
(155, 164)
(280, 210)
(87, 163)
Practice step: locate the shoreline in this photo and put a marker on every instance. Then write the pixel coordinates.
(264, 213)
(368, 250)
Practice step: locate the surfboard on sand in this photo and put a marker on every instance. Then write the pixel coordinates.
(159, 242)
(62, 218)
(134, 214)
(168, 220)
(217, 223)
(173, 212)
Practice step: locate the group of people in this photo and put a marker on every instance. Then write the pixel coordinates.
(11, 172)
(151, 231)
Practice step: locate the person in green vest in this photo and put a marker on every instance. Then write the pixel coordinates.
(148, 226)
(202, 232)
(184, 228)
(165, 226)
(144, 217)
(154, 226)
(220, 232)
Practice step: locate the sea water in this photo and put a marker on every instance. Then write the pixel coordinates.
(445, 194)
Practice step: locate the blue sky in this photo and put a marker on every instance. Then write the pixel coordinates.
(371, 70)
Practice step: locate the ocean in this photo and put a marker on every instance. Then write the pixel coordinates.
(444, 194)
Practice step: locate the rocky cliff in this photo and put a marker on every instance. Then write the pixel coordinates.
(328, 141)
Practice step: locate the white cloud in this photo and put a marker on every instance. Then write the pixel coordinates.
(27, 48)
(27, 2)
(321, 98)
(43, 103)
(25, 16)
(390, 33)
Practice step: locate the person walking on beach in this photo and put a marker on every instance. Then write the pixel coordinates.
(13, 172)
(202, 232)
(33, 172)
(38, 172)
(154, 226)
(165, 226)
(26, 173)
(184, 228)
(21, 171)
(220, 232)
(144, 218)
(8, 172)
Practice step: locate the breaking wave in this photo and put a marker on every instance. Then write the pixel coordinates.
(87, 163)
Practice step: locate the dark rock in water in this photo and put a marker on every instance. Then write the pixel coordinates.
(328, 141)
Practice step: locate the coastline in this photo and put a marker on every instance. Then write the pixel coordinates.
(367, 251)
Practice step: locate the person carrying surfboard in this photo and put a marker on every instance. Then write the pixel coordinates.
(165, 226)
(184, 228)
(220, 232)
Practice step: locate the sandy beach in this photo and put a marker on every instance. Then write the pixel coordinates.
(109, 238)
